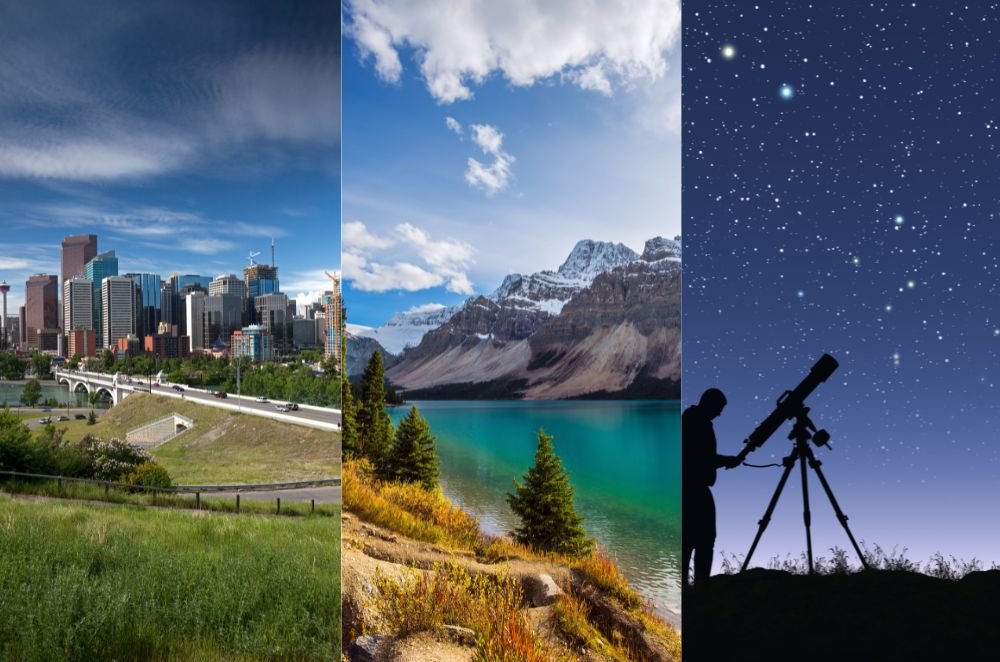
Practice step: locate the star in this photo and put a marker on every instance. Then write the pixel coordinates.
(728, 51)
(786, 92)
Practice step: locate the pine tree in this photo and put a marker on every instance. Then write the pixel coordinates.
(415, 459)
(348, 421)
(544, 504)
(375, 430)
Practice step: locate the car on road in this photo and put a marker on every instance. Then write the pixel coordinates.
(80, 417)
(261, 398)
(45, 421)
(220, 394)
(281, 407)
(63, 418)
(178, 387)
(293, 406)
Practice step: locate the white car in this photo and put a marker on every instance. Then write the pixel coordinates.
(282, 407)
(261, 398)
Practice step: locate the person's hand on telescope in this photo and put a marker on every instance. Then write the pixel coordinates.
(731, 461)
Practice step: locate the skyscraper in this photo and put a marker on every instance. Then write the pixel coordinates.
(41, 309)
(99, 268)
(77, 251)
(223, 316)
(228, 284)
(194, 315)
(271, 311)
(118, 309)
(78, 304)
(149, 309)
(260, 279)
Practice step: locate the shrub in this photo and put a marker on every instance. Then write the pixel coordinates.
(112, 460)
(149, 474)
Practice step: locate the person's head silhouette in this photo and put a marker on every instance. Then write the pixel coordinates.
(713, 401)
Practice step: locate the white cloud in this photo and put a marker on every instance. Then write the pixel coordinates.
(495, 176)
(596, 46)
(445, 262)
(356, 238)
(592, 78)
(453, 124)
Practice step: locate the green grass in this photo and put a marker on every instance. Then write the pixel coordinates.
(220, 504)
(223, 447)
(94, 582)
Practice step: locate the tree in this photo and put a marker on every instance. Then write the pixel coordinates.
(41, 365)
(108, 359)
(544, 504)
(92, 418)
(32, 393)
(11, 367)
(348, 421)
(375, 431)
(414, 457)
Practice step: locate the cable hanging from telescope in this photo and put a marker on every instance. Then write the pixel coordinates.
(763, 466)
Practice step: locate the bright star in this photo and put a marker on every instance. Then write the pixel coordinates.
(911, 284)
(728, 51)
(899, 220)
(786, 92)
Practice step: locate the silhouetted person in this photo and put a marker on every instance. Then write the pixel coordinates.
(700, 462)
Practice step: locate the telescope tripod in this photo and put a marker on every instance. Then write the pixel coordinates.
(803, 455)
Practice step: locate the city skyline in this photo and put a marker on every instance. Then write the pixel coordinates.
(185, 136)
(469, 158)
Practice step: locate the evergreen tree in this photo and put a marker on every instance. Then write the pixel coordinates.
(375, 431)
(415, 459)
(544, 504)
(348, 421)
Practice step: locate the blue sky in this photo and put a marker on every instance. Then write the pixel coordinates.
(572, 133)
(183, 135)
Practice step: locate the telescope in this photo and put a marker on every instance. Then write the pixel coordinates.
(790, 404)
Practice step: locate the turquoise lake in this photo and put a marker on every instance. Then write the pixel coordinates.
(623, 458)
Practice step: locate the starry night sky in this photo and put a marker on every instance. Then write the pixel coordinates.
(841, 186)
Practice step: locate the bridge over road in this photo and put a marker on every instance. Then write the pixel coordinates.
(118, 387)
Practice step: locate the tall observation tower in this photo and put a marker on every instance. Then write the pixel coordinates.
(4, 289)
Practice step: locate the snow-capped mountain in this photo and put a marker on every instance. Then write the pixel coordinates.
(548, 291)
(608, 321)
(405, 329)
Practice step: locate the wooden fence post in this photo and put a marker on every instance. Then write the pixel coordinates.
(237, 502)
(279, 505)
(312, 505)
(197, 500)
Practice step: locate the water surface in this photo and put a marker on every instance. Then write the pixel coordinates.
(624, 462)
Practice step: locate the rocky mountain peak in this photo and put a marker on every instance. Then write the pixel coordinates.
(590, 258)
(660, 248)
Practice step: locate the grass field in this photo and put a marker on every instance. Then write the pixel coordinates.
(223, 446)
(93, 582)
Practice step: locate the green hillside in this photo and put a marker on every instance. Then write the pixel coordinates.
(223, 446)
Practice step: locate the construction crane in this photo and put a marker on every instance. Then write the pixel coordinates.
(252, 256)
(334, 341)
